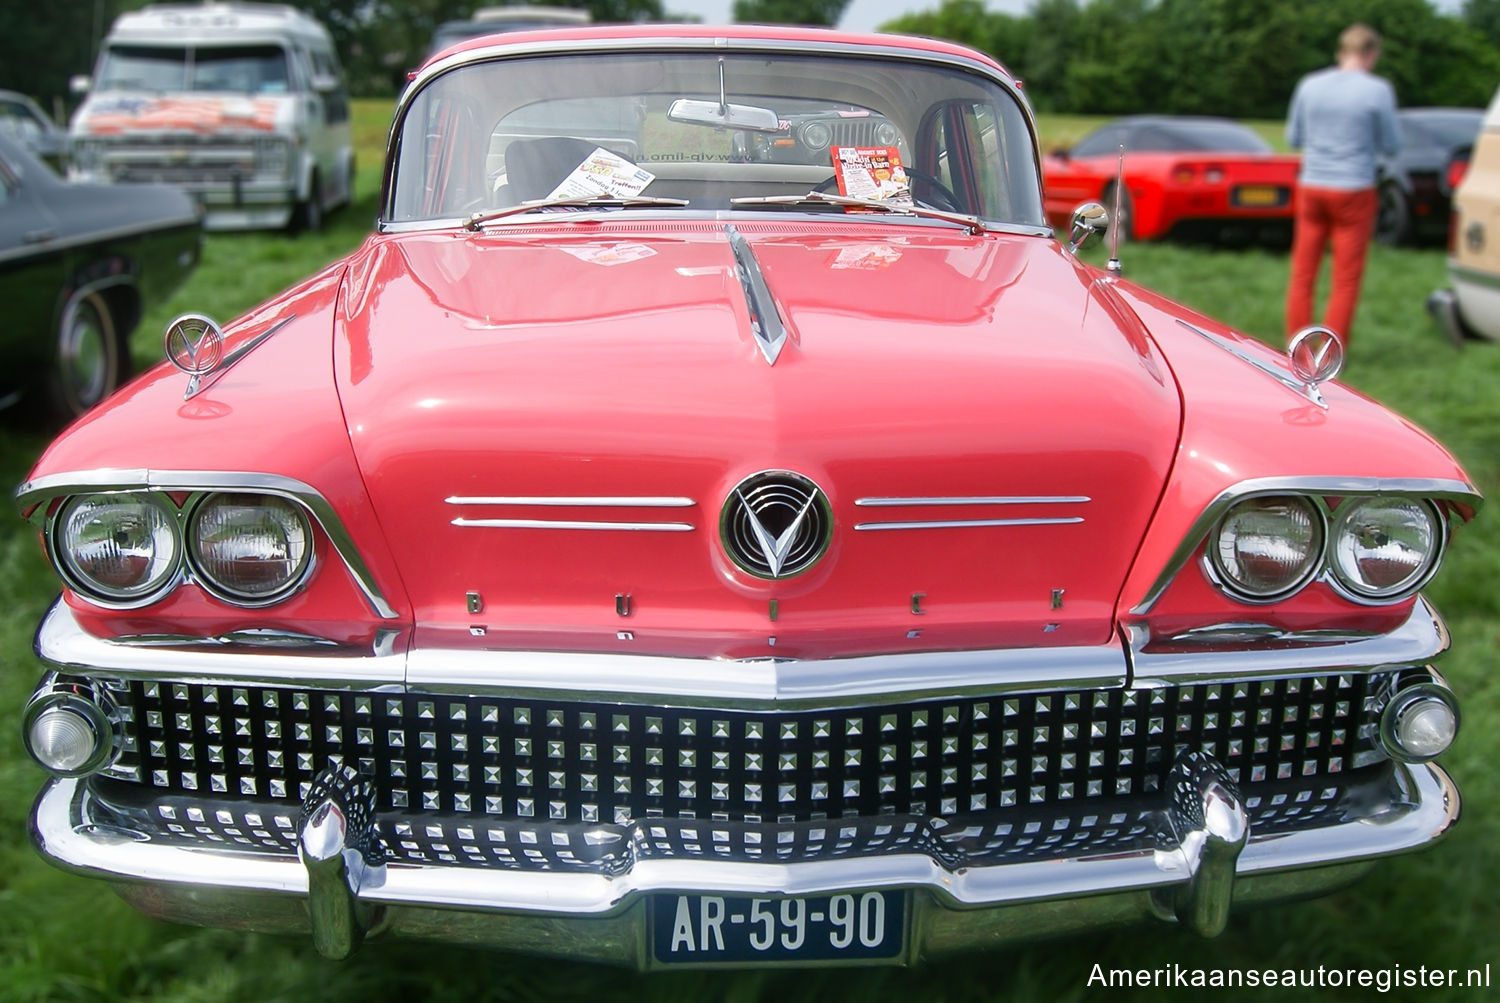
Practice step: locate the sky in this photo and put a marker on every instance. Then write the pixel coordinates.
(860, 15)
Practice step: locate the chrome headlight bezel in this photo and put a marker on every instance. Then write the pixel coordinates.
(60, 550)
(1227, 581)
(1343, 581)
(194, 514)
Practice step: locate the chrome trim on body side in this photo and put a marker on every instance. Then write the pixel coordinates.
(564, 501)
(34, 496)
(1439, 489)
(579, 501)
(978, 501)
(969, 523)
(1421, 637)
(66, 647)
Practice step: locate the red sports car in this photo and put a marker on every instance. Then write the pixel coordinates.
(709, 561)
(1185, 177)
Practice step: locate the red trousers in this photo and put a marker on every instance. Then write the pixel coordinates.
(1347, 219)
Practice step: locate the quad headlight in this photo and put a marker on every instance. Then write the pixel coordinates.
(1265, 548)
(249, 548)
(1372, 550)
(1384, 548)
(119, 549)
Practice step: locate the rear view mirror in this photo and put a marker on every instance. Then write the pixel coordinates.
(745, 117)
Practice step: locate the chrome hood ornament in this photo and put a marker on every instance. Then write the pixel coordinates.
(195, 345)
(776, 524)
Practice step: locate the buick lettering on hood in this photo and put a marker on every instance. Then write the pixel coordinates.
(645, 551)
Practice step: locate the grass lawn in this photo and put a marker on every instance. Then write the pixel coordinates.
(66, 938)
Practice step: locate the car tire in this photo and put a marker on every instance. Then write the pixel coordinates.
(1393, 217)
(309, 215)
(90, 358)
(1126, 220)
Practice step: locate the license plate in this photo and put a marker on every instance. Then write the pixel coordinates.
(708, 929)
(1257, 195)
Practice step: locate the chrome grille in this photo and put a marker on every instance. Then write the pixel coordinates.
(562, 762)
(1114, 826)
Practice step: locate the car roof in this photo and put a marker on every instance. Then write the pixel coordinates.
(583, 35)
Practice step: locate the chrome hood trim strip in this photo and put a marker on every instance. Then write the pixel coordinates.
(765, 321)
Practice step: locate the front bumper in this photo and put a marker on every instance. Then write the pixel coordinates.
(603, 916)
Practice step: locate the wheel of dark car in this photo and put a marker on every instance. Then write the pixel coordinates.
(1393, 223)
(89, 360)
(1123, 218)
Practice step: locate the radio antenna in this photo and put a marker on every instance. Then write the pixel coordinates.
(1113, 264)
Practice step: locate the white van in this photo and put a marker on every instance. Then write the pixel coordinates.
(241, 104)
(1471, 308)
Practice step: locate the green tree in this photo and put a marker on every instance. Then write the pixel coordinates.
(818, 12)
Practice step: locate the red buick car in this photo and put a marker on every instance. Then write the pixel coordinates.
(1185, 177)
(686, 559)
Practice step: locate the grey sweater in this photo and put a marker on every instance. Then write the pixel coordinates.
(1341, 119)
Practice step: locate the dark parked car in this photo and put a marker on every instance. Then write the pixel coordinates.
(78, 265)
(24, 121)
(1416, 185)
(493, 20)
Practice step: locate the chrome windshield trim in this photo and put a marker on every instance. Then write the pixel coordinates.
(1439, 489)
(580, 501)
(634, 527)
(979, 500)
(765, 320)
(33, 496)
(1421, 637)
(1422, 806)
(66, 647)
(969, 523)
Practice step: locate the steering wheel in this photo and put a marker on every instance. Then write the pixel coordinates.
(944, 196)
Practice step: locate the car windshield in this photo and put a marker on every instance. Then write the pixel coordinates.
(243, 69)
(491, 135)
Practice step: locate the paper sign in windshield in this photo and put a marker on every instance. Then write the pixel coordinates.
(603, 174)
(872, 172)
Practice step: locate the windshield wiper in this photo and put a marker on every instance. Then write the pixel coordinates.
(971, 223)
(477, 220)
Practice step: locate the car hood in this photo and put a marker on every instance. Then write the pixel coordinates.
(551, 417)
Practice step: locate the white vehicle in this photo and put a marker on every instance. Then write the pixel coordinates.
(241, 104)
(1471, 308)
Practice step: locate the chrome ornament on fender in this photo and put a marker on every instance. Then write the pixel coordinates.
(776, 524)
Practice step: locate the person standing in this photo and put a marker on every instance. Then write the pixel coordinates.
(1341, 117)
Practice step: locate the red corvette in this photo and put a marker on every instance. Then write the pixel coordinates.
(1185, 177)
(693, 559)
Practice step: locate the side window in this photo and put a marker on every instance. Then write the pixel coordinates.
(335, 101)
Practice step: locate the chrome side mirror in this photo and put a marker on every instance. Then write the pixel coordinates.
(1088, 219)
